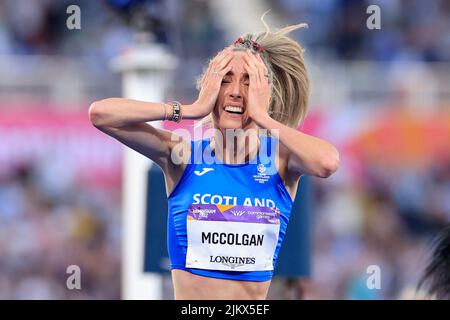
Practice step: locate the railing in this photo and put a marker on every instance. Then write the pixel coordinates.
(54, 80)
(334, 84)
(367, 84)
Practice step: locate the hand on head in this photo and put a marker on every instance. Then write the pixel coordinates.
(210, 84)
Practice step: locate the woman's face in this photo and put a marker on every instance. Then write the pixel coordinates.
(231, 104)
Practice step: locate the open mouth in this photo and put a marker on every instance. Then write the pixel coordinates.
(234, 109)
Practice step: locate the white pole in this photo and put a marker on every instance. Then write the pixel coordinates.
(145, 71)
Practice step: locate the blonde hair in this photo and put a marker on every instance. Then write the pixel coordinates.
(288, 76)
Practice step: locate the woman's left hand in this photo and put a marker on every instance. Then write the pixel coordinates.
(259, 90)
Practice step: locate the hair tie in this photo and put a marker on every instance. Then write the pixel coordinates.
(249, 44)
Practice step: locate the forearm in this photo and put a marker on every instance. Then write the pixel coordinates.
(307, 154)
(120, 112)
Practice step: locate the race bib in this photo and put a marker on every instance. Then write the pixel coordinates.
(231, 238)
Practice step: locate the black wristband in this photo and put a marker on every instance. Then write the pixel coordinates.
(176, 115)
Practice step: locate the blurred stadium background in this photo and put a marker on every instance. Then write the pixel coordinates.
(381, 96)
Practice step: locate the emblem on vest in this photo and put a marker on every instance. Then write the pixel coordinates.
(261, 176)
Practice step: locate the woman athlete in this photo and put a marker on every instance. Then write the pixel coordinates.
(229, 199)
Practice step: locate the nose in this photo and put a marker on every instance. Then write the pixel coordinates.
(235, 90)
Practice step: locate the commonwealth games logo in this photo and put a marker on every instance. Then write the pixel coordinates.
(262, 176)
(261, 168)
(238, 213)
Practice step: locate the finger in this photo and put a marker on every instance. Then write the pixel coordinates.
(262, 70)
(217, 77)
(225, 54)
(224, 71)
(217, 67)
(263, 65)
(259, 65)
(256, 76)
(217, 57)
(219, 71)
(251, 74)
(252, 69)
(251, 60)
(214, 68)
(225, 61)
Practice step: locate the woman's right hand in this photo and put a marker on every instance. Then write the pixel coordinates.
(210, 85)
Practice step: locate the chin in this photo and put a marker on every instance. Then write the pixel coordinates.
(231, 125)
(225, 121)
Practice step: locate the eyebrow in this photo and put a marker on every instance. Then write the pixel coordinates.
(230, 73)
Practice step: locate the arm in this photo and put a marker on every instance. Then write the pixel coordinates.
(121, 112)
(307, 154)
(125, 119)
